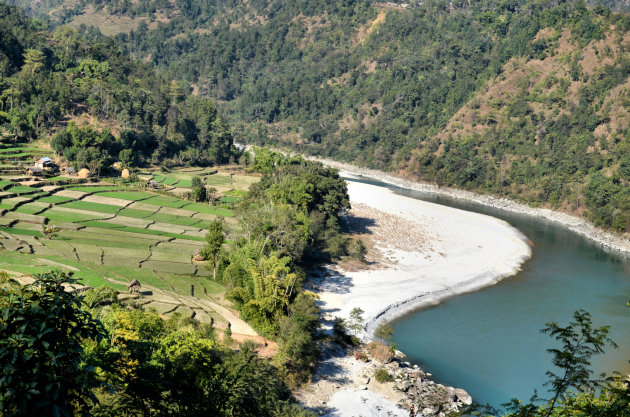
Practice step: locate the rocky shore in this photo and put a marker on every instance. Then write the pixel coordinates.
(345, 385)
(419, 254)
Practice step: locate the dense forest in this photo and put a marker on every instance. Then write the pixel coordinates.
(526, 99)
(99, 105)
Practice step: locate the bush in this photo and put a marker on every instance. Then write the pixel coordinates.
(381, 375)
(358, 250)
(100, 297)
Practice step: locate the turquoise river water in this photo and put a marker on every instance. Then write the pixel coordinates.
(489, 342)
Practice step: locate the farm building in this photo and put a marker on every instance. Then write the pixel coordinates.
(37, 171)
(153, 184)
(134, 286)
(44, 162)
(71, 171)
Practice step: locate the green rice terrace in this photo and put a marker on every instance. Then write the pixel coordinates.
(14, 158)
(110, 233)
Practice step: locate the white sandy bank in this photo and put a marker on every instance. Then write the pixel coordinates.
(436, 253)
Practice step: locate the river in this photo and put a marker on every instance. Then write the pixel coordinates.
(489, 342)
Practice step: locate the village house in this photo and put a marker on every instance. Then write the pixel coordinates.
(45, 162)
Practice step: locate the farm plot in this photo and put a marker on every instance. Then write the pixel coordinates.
(92, 206)
(110, 235)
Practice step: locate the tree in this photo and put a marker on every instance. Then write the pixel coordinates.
(198, 191)
(50, 230)
(41, 356)
(358, 250)
(580, 341)
(355, 324)
(33, 61)
(384, 331)
(214, 241)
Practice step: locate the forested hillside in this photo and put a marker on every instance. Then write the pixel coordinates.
(99, 105)
(524, 99)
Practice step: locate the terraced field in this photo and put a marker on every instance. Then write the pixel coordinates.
(15, 158)
(231, 185)
(111, 234)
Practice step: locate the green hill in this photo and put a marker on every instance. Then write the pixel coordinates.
(524, 99)
(100, 105)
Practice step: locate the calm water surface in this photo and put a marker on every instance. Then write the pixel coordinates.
(489, 343)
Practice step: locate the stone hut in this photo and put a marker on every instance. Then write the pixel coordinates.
(84, 173)
(134, 287)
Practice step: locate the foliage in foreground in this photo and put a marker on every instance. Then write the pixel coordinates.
(574, 392)
(57, 359)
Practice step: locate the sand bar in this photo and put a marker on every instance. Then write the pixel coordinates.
(431, 252)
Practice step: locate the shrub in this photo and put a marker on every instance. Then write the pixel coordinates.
(381, 375)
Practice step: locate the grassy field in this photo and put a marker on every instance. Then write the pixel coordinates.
(111, 234)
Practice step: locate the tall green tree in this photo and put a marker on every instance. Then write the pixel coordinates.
(42, 327)
(215, 238)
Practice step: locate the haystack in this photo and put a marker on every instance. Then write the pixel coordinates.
(84, 173)
(125, 173)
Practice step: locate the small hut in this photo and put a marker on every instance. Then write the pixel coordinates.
(35, 171)
(84, 173)
(134, 287)
(153, 184)
(71, 171)
(44, 162)
(125, 173)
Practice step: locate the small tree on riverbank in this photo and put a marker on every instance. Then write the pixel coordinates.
(385, 332)
(355, 323)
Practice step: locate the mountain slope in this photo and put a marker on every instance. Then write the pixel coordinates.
(526, 99)
(100, 105)
(551, 128)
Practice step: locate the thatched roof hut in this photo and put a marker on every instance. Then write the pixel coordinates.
(84, 173)
(34, 171)
(71, 171)
(134, 286)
